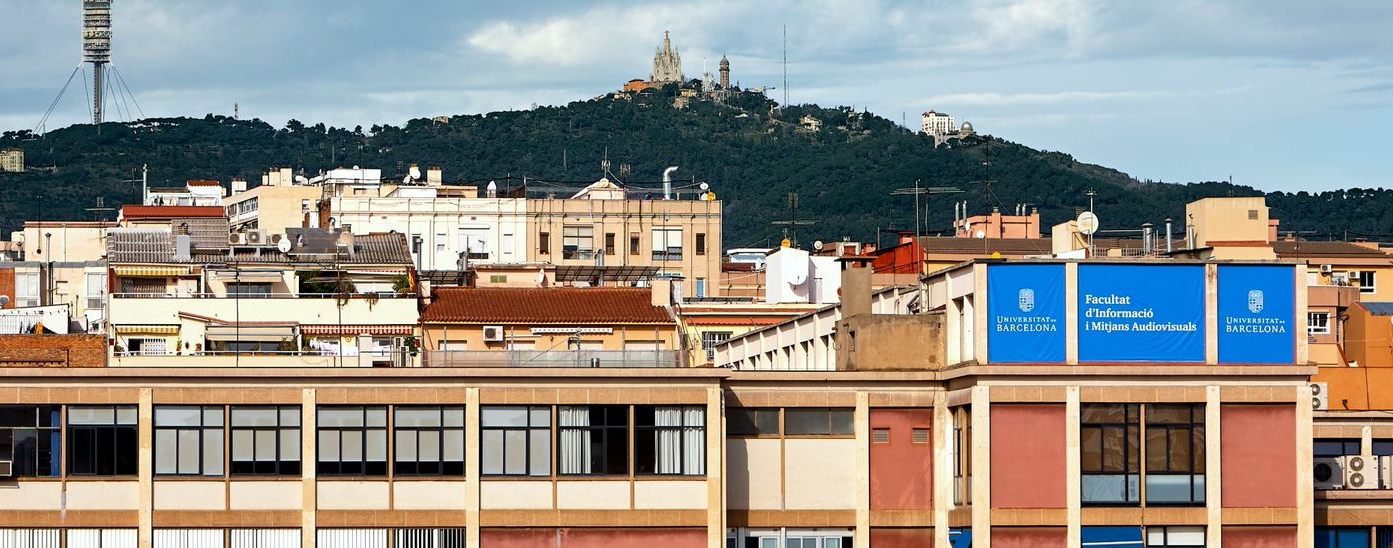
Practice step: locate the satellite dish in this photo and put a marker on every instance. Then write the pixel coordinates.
(817, 245)
(1088, 223)
(981, 234)
(704, 186)
(283, 245)
(4, 300)
(414, 172)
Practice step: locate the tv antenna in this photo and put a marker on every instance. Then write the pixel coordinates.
(100, 209)
(792, 223)
(916, 191)
(786, 77)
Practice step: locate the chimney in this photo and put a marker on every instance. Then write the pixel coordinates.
(239, 185)
(1272, 230)
(662, 291)
(1168, 235)
(287, 175)
(856, 286)
(906, 237)
(434, 176)
(423, 287)
(1146, 238)
(182, 245)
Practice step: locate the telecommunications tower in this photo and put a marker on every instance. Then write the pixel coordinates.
(96, 47)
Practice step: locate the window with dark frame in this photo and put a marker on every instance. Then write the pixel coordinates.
(188, 440)
(429, 440)
(634, 243)
(817, 421)
(1174, 454)
(1110, 453)
(102, 440)
(709, 340)
(594, 439)
(544, 243)
(700, 243)
(609, 243)
(30, 438)
(746, 421)
(515, 440)
(1171, 536)
(352, 441)
(670, 440)
(578, 242)
(1366, 282)
(1335, 447)
(265, 441)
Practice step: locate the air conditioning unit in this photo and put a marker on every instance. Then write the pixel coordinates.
(237, 238)
(1326, 269)
(256, 237)
(1361, 472)
(7, 468)
(493, 333)
(276, 238)
(1353, 275)
(1320, 400)
(1329, 472)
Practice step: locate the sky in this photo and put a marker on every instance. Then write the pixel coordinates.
(1276, 94)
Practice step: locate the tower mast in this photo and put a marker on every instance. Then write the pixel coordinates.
(96, 48)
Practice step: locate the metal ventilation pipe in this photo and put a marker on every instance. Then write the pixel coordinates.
(667, 182)
(1147, 243)
(1168, 235)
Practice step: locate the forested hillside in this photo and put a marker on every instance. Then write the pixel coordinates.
(750, 152)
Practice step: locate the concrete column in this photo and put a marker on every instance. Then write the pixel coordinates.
(309, 492)
(145, 421)
(1305, 483)
(1303, 347)
(981, 467)
(1073, 497)
(472, 500)
(1213, 464)
(942, 467)
(979, 313)
(1071, 314)
(1211, 314)
(715, 469)
(863, 469)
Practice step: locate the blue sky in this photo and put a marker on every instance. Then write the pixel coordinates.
(1279, 94)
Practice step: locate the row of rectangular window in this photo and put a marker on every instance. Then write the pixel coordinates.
(352, 440)
(1117, 461)
(578, 242)
(793, 421)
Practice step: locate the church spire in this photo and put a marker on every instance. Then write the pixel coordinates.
(667, 63)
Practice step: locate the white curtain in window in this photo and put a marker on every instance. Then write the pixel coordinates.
(575, 444)
(694, 438)
(669, 439)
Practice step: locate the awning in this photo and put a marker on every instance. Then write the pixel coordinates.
(129, 329)
(151, 271)
(250, 332)
(249, 275)
(1111, 537)
(357, 329)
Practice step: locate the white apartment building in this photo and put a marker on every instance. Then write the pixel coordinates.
(938, 123)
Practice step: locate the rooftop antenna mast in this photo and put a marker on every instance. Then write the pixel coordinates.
(792, 223)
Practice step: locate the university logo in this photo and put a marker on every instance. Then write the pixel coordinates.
(1255, 301)
(1025, 298)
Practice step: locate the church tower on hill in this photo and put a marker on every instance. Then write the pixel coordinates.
(725, 73)
(667, 63)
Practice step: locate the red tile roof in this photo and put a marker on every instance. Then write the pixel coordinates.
(537, 305)
(1302, 249)
(170, 212)
(204, 183)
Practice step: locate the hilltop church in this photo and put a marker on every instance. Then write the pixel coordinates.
(667, 69)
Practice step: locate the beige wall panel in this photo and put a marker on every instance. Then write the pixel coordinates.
(190, 495)
(103, 495)
(817, 474)
(428, 495)
(754, 478)
(266, 495)
(592, 495)
(515, 495)
(353, 495)
(670, 495)
(31, 495)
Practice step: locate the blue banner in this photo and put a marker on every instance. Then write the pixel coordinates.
(1025, 313)
(1257, 314)
(1141, 313)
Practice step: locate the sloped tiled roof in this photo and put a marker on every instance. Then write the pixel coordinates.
(975, 246)
(170, 212)
(1297, 249)
(545, 305)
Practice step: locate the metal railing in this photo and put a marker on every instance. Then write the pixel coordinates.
(379, 295)
(552, 358)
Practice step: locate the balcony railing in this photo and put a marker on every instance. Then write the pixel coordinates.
(555, 358)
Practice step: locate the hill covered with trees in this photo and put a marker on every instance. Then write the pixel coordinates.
(752, 154)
